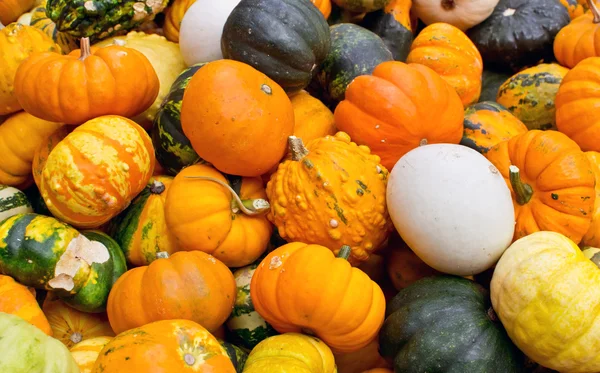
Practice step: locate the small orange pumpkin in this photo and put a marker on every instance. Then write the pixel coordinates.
(203, 213)
(578, 104)
(324, 6)
(18, 300)
(312, 118)
(10, 10)
(305, 288)
(96, 170)
(190, 285)
(399, 107)
(164, 346)
(580, 39)
(551, 181)
(237, 118)
(450, 53)
(86, 84)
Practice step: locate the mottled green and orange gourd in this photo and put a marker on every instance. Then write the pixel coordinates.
(331, 193)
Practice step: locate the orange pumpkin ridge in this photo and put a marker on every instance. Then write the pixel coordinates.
(580, 39)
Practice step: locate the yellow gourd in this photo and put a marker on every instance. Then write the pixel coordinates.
(86, 352)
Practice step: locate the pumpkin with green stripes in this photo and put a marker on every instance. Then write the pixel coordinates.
(141, 230)
(247, 327)
(44, 253)
(237, 356)
(13, 202)
(173, 149)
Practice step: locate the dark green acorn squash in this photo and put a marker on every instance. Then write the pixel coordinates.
(519, 33)
(445, 324)
(390, 23)
(100, 19)
(285, 39)
(237, 356)
(172, 148)
(491, 82)
(354, 51)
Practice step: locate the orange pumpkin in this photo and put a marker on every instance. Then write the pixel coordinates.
(18, 300)
(20, 136)
(237, 118)
(551, 181)
(592, 237)
(398, 108)
(578, 104)
(305, 288)
(96, 170)
(580, 39)
(404, 266)
(324, 6)
(450, 53)
(164, 346)
(311, 117)
(10, 10)
(86, 84)
(71, 326)
(203, 214)
(190, 285)
(366, 358)
(40, 156)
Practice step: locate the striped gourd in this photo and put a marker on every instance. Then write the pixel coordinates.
(86, 352)
(40, 20)
(13, 202)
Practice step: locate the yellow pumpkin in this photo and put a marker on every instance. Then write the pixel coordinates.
(331, 193)
(312, 118)
(164, 56)
(545, 291)
(10, 10)
(17, 42)
(291, 352)
(173, 16)
(86, 352)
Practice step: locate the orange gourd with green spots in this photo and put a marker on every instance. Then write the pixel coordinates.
(331, 193)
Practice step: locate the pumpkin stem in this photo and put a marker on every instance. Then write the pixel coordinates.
(157, 187)
(594, 9)
(248, 206)
(85, 49)
(523, 192)
(344, 252)
(297, 148)
(162, 255)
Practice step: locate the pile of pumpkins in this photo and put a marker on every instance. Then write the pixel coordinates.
(306, 186)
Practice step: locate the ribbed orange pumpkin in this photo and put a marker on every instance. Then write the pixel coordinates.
(398, 108)
(580, 39)
(301, 287)
(10, 10)
(16, 299)
(95, 172)
(189, 285)
(450, 53)
(592, 237)
(578, 104)
(86, 84)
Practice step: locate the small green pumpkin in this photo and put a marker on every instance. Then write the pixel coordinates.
(13, 202)
(237, 355)
(247, 327)
(173, 149)
(26, 349)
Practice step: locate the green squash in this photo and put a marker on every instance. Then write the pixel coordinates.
(237, 356)
(247, 327)
(491, 82)
(41, 252)
(285, 39)
(172, 148)
(13, 202)
(354, 51)
(26, 349)
(386, 23)
(100, 19)
(40, 20)
(445, 324)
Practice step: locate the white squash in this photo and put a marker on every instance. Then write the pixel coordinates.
(201, 30)
(13, 202)
(452, 207)
(463, 14)
(25, 19)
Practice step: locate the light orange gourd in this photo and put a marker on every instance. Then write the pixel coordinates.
(164, 346)
(189, 285)
(85, 353)
(173, 17)
(17, 43)
(399, 107)
(71, 326)
(551, 181)
(331, 193)
(96, 170)
(311, 117)
(403, 266)
(592, 237)
(367, 357)
(450, 53)
(20, 136)
(86, 84)
(18, 300)
(305, 288)
(580, 39)
(10, 10)
(203, 214)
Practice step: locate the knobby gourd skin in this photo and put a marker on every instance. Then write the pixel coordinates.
(580, 39)
(176, 346)
(304, 288)
(291, 352)
(16, 299)
(331, 193)
(545, 291)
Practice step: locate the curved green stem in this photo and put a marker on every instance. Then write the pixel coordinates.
(523, 192)
(344, 252)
